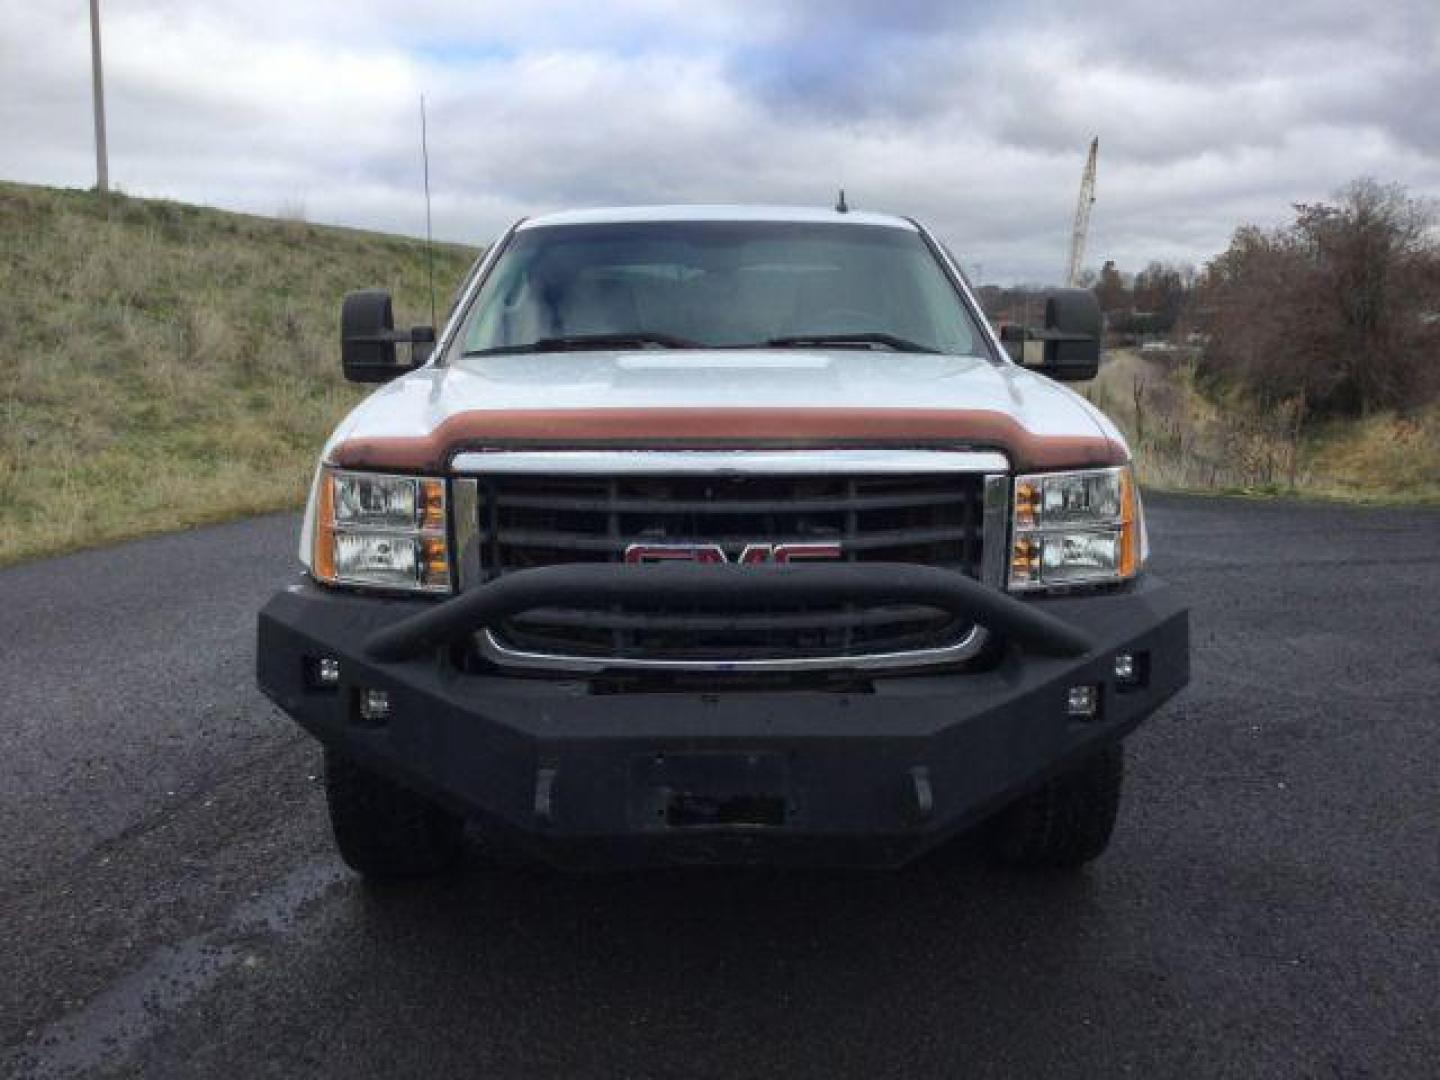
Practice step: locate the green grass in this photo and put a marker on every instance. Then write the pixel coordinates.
(168, 365)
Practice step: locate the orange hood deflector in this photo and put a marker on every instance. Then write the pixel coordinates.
(726, 429)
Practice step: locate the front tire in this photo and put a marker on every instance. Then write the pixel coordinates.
(384, 830)
(1066, 823)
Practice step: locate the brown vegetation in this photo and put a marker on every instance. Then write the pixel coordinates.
(1186, 435)
(1312, 358)
(1335, 315)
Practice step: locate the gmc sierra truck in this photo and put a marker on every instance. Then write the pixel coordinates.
(721, 534)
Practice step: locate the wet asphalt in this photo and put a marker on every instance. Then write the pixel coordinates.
(170, 905)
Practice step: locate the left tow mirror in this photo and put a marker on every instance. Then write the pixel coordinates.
(368, 339)
(1070, 341)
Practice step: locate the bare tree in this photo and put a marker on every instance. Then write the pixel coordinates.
(1111, 291)
(1162, 290)
(1339, 310)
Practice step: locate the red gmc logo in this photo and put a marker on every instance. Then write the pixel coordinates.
(714, 553)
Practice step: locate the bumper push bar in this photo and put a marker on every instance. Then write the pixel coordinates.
(728, 588)
(859, 772)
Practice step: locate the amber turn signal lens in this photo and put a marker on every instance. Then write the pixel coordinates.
(1129, 527)
(1027, 503)
(324, 553)
(1025, 560)
(436, 570)
(432, 504)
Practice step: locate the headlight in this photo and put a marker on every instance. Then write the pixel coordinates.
(1075, 528)
(385, 531)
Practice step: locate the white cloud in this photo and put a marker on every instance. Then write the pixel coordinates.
(974, 119)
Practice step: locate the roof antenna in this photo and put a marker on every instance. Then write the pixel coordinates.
(841, 206)
(429, 243)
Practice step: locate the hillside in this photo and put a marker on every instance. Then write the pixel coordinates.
(1189, 438)
(172, 364)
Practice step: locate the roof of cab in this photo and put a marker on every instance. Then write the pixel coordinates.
(614, 215)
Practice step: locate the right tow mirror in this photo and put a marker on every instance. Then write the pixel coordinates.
(1070, 339)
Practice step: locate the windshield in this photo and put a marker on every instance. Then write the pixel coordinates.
(718, 284)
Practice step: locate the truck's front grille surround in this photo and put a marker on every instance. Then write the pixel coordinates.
(946, 519)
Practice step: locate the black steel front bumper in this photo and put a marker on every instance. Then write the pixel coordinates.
(871, 773)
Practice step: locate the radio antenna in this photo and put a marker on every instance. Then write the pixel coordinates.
(429, 240)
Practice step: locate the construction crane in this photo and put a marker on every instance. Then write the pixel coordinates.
(1082, 217)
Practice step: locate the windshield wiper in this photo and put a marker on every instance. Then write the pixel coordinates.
(628, 340)
(887, 341)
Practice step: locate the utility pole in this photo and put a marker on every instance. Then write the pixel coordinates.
(102, 165)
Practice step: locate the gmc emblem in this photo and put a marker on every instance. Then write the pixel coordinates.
(714, 553)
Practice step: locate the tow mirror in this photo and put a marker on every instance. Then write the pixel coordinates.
(368, 339)
(1070, 340)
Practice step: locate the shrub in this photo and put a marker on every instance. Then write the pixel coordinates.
(1339, 310)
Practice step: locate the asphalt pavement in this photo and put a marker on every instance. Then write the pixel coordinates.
(171, 906)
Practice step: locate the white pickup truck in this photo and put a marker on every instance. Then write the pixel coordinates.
(721, 534)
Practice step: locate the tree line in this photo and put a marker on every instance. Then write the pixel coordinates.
(1334, 314)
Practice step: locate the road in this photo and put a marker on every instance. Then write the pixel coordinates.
(170, 904)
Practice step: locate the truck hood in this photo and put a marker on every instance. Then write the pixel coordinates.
(723, 399)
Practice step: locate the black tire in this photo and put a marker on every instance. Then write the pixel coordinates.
(1066, 823)
(384, 830)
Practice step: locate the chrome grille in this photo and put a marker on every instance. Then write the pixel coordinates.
(530, 520)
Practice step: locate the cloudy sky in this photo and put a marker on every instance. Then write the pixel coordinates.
(972, 116)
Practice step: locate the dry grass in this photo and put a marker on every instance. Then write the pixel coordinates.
(171, 365)
(1395, 456)
(1188, 440)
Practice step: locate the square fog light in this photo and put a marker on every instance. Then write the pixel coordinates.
(1082, 702)
(322, 672)
(1130, 670)
(375, 706)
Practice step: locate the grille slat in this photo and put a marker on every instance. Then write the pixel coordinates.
(567, 541)
(578, 617)
(528, 521)
(736, 506)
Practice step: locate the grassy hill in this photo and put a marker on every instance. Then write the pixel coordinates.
(169, 365)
